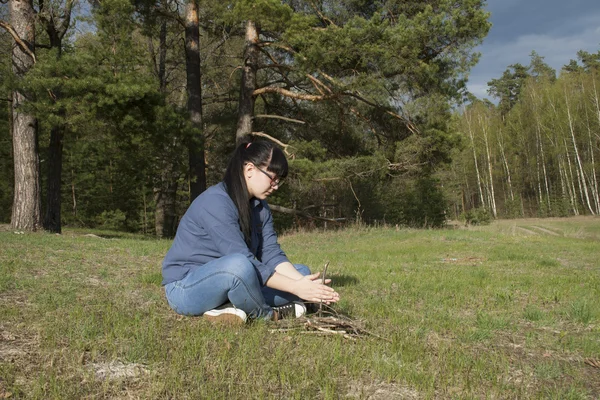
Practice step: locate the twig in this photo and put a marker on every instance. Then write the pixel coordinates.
(285, 210)
(279, 117)
(271, 138)
(323, 277)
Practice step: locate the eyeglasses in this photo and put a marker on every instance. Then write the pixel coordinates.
(274, 182)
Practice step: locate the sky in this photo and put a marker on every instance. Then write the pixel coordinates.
(555, 29)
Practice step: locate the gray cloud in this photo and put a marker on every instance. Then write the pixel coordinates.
(555, 30)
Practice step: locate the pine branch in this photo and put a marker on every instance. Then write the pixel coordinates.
(411, 127)
(320, 14)
(172, 15)
(279, 117)
(18, 40)
(271, 138)
(293, 95)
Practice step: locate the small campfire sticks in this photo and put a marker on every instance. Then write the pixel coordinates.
(326, 322)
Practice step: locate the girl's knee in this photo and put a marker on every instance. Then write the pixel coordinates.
(238, 264)
(303, 269)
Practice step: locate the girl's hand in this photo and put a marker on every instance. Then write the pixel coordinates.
(311, 288)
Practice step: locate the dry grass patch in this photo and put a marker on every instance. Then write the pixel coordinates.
(382, 391)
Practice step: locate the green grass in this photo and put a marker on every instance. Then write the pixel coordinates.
(501, 311)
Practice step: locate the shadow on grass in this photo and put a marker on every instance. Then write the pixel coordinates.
(125, 235)
(343, 280)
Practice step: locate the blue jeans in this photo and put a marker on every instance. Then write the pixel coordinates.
(231, 278)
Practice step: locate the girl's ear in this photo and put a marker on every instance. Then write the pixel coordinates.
(248, 169)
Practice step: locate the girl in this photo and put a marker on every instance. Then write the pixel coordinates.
(225, 262)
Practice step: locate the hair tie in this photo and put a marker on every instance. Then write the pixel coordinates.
(248, 145)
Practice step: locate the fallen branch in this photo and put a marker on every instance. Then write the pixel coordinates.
(286, 210)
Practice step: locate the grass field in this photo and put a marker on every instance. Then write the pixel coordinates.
(505, 311)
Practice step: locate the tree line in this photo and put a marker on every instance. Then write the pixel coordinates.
(535, 153)
(121, 112)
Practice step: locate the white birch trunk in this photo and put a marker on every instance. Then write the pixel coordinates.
(470, 129)
(578, 158)
(540, 145)
(592, 147)
(572, 181)
(505, 162)
(563, 188)
(489, 159)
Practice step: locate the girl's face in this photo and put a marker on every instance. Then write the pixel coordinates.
(260, 182)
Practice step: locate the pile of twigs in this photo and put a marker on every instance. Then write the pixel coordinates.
(324, 323)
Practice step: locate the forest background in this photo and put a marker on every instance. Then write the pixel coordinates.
(118, 113)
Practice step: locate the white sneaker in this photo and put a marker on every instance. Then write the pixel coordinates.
(290, 310)
(226, 314)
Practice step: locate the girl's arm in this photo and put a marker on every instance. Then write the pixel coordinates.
(288, 269)
(309, 287)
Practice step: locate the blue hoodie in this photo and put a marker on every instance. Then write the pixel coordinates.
(210, 230)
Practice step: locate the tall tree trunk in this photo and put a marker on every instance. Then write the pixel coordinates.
(540, 149)
(194, 104)
(52, 221)
(593, 146)
(165, 188)
(73, 195)
(165, 221)
(540, 146)
(26, 210)
(572, 181)
(248, 85)
(489, 159)
(471, 136)
(162, 57)
(581, 174)
(56, 30)
(563, 186)
(505, 162)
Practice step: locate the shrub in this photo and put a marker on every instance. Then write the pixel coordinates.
(477, 216)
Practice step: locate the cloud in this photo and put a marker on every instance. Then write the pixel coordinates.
(557, 48)
(479, 89)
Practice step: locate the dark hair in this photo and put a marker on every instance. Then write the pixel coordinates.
(261, 154)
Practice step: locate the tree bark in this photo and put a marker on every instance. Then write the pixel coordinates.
(248, 85)
(489, 159)
(165, 189)
(505, 162)
(571, 181)
(165, 218)
(56, 30)
(26, 211)
(52, 219)
(196, 160)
